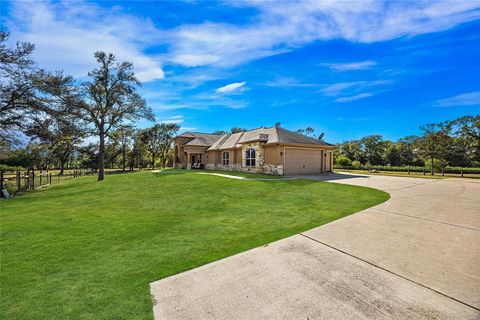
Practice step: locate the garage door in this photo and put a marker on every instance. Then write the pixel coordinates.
(302, 161)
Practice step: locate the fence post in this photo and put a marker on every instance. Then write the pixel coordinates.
(50, 175)
(40, 178)
(1, 184)
(33, 179)
(461, 172)
(424, 171)
(19, 183)
(26, 183)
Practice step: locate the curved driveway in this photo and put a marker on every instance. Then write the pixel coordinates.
(416, 256)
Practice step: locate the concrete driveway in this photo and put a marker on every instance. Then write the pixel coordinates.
(416, 256)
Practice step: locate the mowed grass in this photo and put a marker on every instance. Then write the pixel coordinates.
(88, 250)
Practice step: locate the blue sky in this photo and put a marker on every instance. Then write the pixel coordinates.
(348, 69)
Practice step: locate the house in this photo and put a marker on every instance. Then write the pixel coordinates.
(273, 150)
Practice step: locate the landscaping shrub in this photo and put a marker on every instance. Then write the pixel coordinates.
(356, 164)
(4, 167)
(343, 161)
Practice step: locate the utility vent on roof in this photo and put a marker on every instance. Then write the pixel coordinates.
(263, 137)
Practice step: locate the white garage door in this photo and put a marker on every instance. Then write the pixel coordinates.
(303, 161)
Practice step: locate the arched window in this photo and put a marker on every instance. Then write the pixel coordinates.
(226, 158)
(250, 157)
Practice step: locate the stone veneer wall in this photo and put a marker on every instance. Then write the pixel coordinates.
(260, 166)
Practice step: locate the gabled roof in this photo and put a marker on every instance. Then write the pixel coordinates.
(267, 135)
(199, 139)
(287, 136)
(227, 141)
(189, 134)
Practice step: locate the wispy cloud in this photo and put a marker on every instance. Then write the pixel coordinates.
(342, 88)
(464, 99)
(201, 101)
(183, 129)
(174, 119)
(63, 31)
(355, 97)
(232, 88)
(350, 66)
(287, 82)
(284, 26)
(66, 34)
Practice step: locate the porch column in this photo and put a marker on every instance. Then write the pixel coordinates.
(189, 162)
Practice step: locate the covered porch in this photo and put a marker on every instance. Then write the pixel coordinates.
(194, 157)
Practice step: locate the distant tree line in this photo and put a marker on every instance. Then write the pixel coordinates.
(454, 143)
(47, 119)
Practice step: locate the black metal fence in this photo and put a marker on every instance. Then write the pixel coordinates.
(453, 170)
(17, 182)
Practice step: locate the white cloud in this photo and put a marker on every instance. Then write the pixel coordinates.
(175, 119)
(183, 129)
(232, 87)
(201, 101)
(464, 99)
(287, 82)
(340, 88)
(350, 66)
(284, 26)
(195, 60)
(355, 97)
(169, 106)
(66, 34)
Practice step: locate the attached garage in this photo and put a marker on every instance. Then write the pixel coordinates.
(303, 161)
(274, 150)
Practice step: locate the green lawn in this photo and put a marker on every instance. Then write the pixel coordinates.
(88, 250)
(224, 172)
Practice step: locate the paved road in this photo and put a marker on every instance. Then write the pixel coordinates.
(416, 256)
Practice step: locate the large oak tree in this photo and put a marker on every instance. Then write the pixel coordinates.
(109, 100)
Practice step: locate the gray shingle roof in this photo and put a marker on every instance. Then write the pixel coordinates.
(227, 141)
(267, 135)
(287, 136)
(199, 139)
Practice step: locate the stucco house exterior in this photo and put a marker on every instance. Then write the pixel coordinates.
(273, 150)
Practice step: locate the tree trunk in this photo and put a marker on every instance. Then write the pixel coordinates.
(101, 157)
(62, 167)
(153, 161)
(123, 159)
(431, 159)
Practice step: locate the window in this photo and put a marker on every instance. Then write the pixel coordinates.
(250, 157)
(226, 158)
